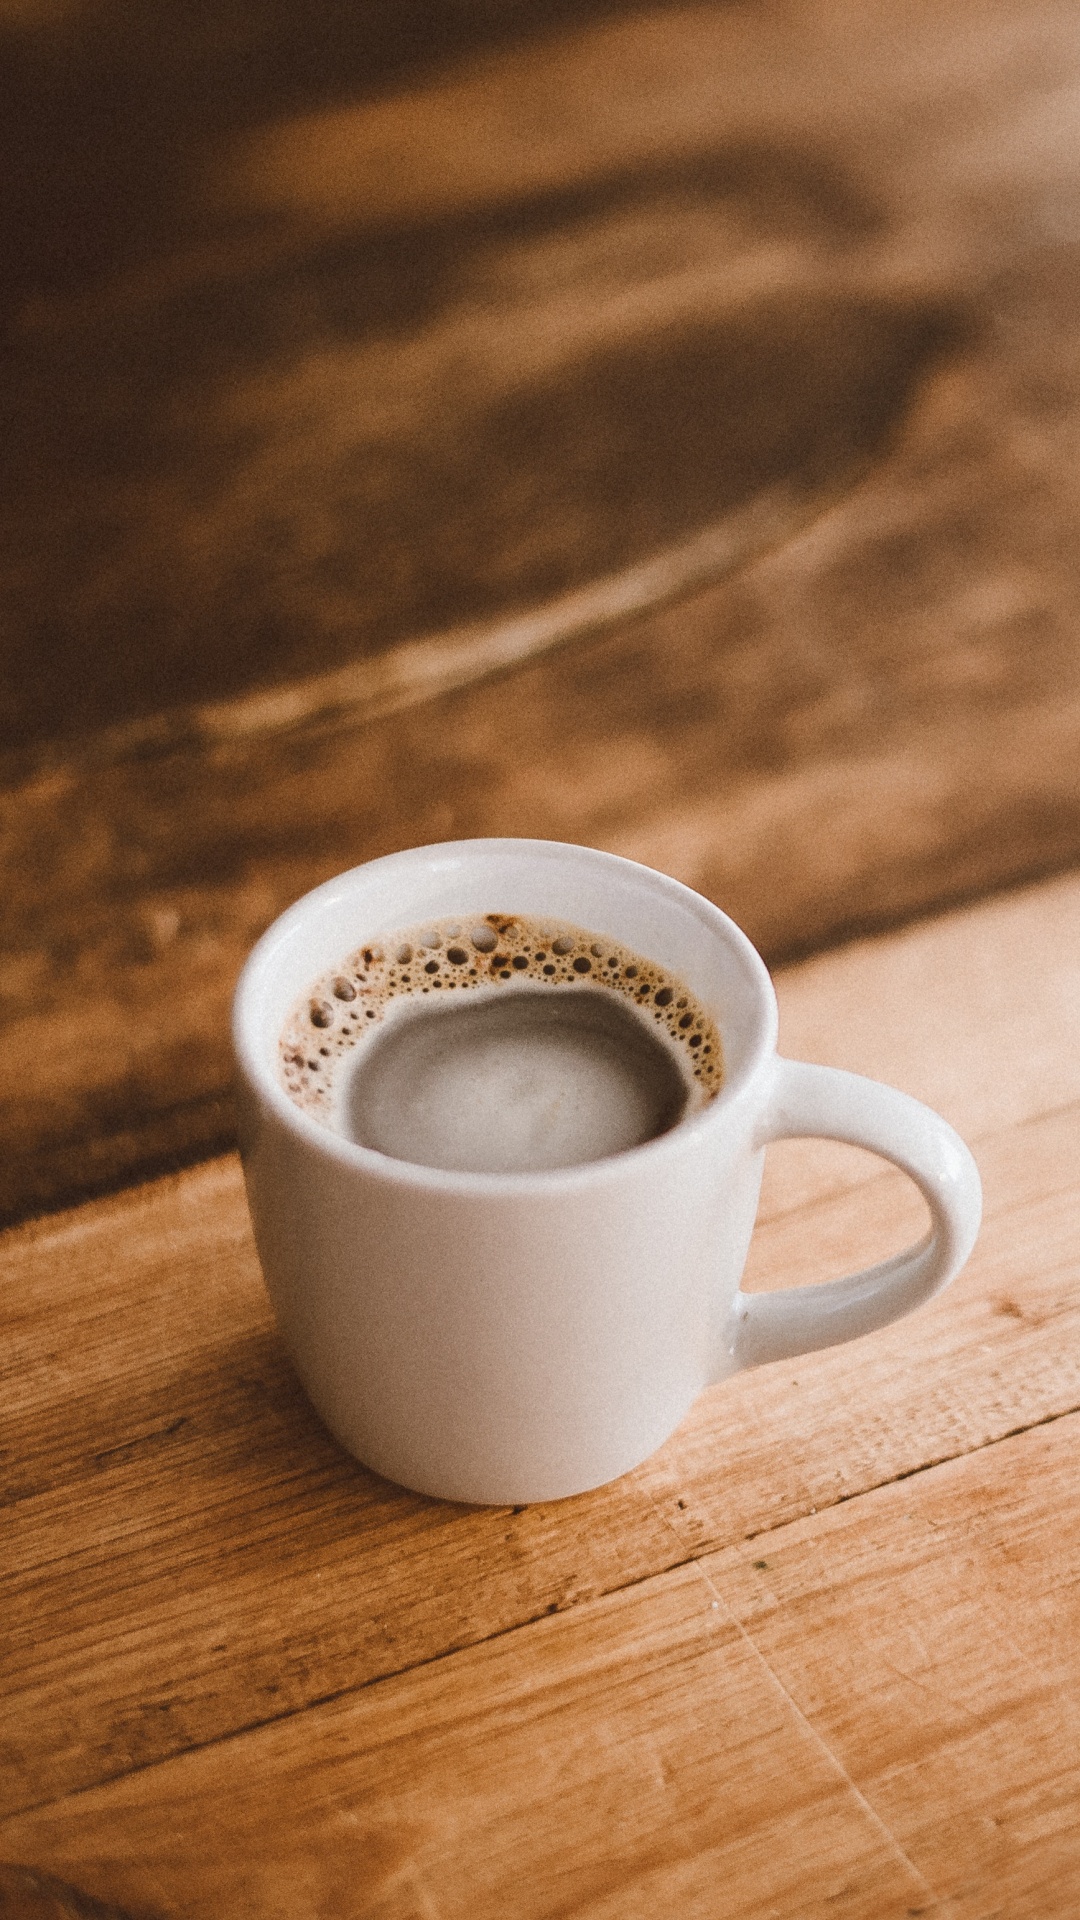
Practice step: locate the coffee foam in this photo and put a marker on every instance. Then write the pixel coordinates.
(398, 975)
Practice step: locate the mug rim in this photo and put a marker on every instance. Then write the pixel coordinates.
(254, 1065)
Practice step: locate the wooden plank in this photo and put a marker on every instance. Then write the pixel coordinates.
(101, 89)
(871, 1713)
(174, 1510)
(504, 393)
(929, 1635)
(736, 284)
(632, 1758)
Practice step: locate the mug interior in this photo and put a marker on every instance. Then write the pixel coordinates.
(658, 917)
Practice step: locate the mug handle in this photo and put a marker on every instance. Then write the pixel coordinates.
(832, 1105)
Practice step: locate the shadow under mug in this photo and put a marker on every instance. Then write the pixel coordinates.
(507, 1338)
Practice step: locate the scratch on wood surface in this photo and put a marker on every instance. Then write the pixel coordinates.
(912, 1680)
(818, 1739)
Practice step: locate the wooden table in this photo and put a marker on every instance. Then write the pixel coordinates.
(819, 1656)
(656, 426)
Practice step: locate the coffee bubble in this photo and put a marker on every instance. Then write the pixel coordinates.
(497, 954)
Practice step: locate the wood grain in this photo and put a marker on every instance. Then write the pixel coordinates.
(927, 1634)
(870, 1713)
(280, 459)
(179, 1530)
(425, 1820)
(369, 411)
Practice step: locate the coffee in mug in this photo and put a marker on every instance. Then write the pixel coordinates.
(500, 1044)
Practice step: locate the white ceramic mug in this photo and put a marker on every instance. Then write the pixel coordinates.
(508, 1338)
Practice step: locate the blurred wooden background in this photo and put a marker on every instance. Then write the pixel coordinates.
(651, 426)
